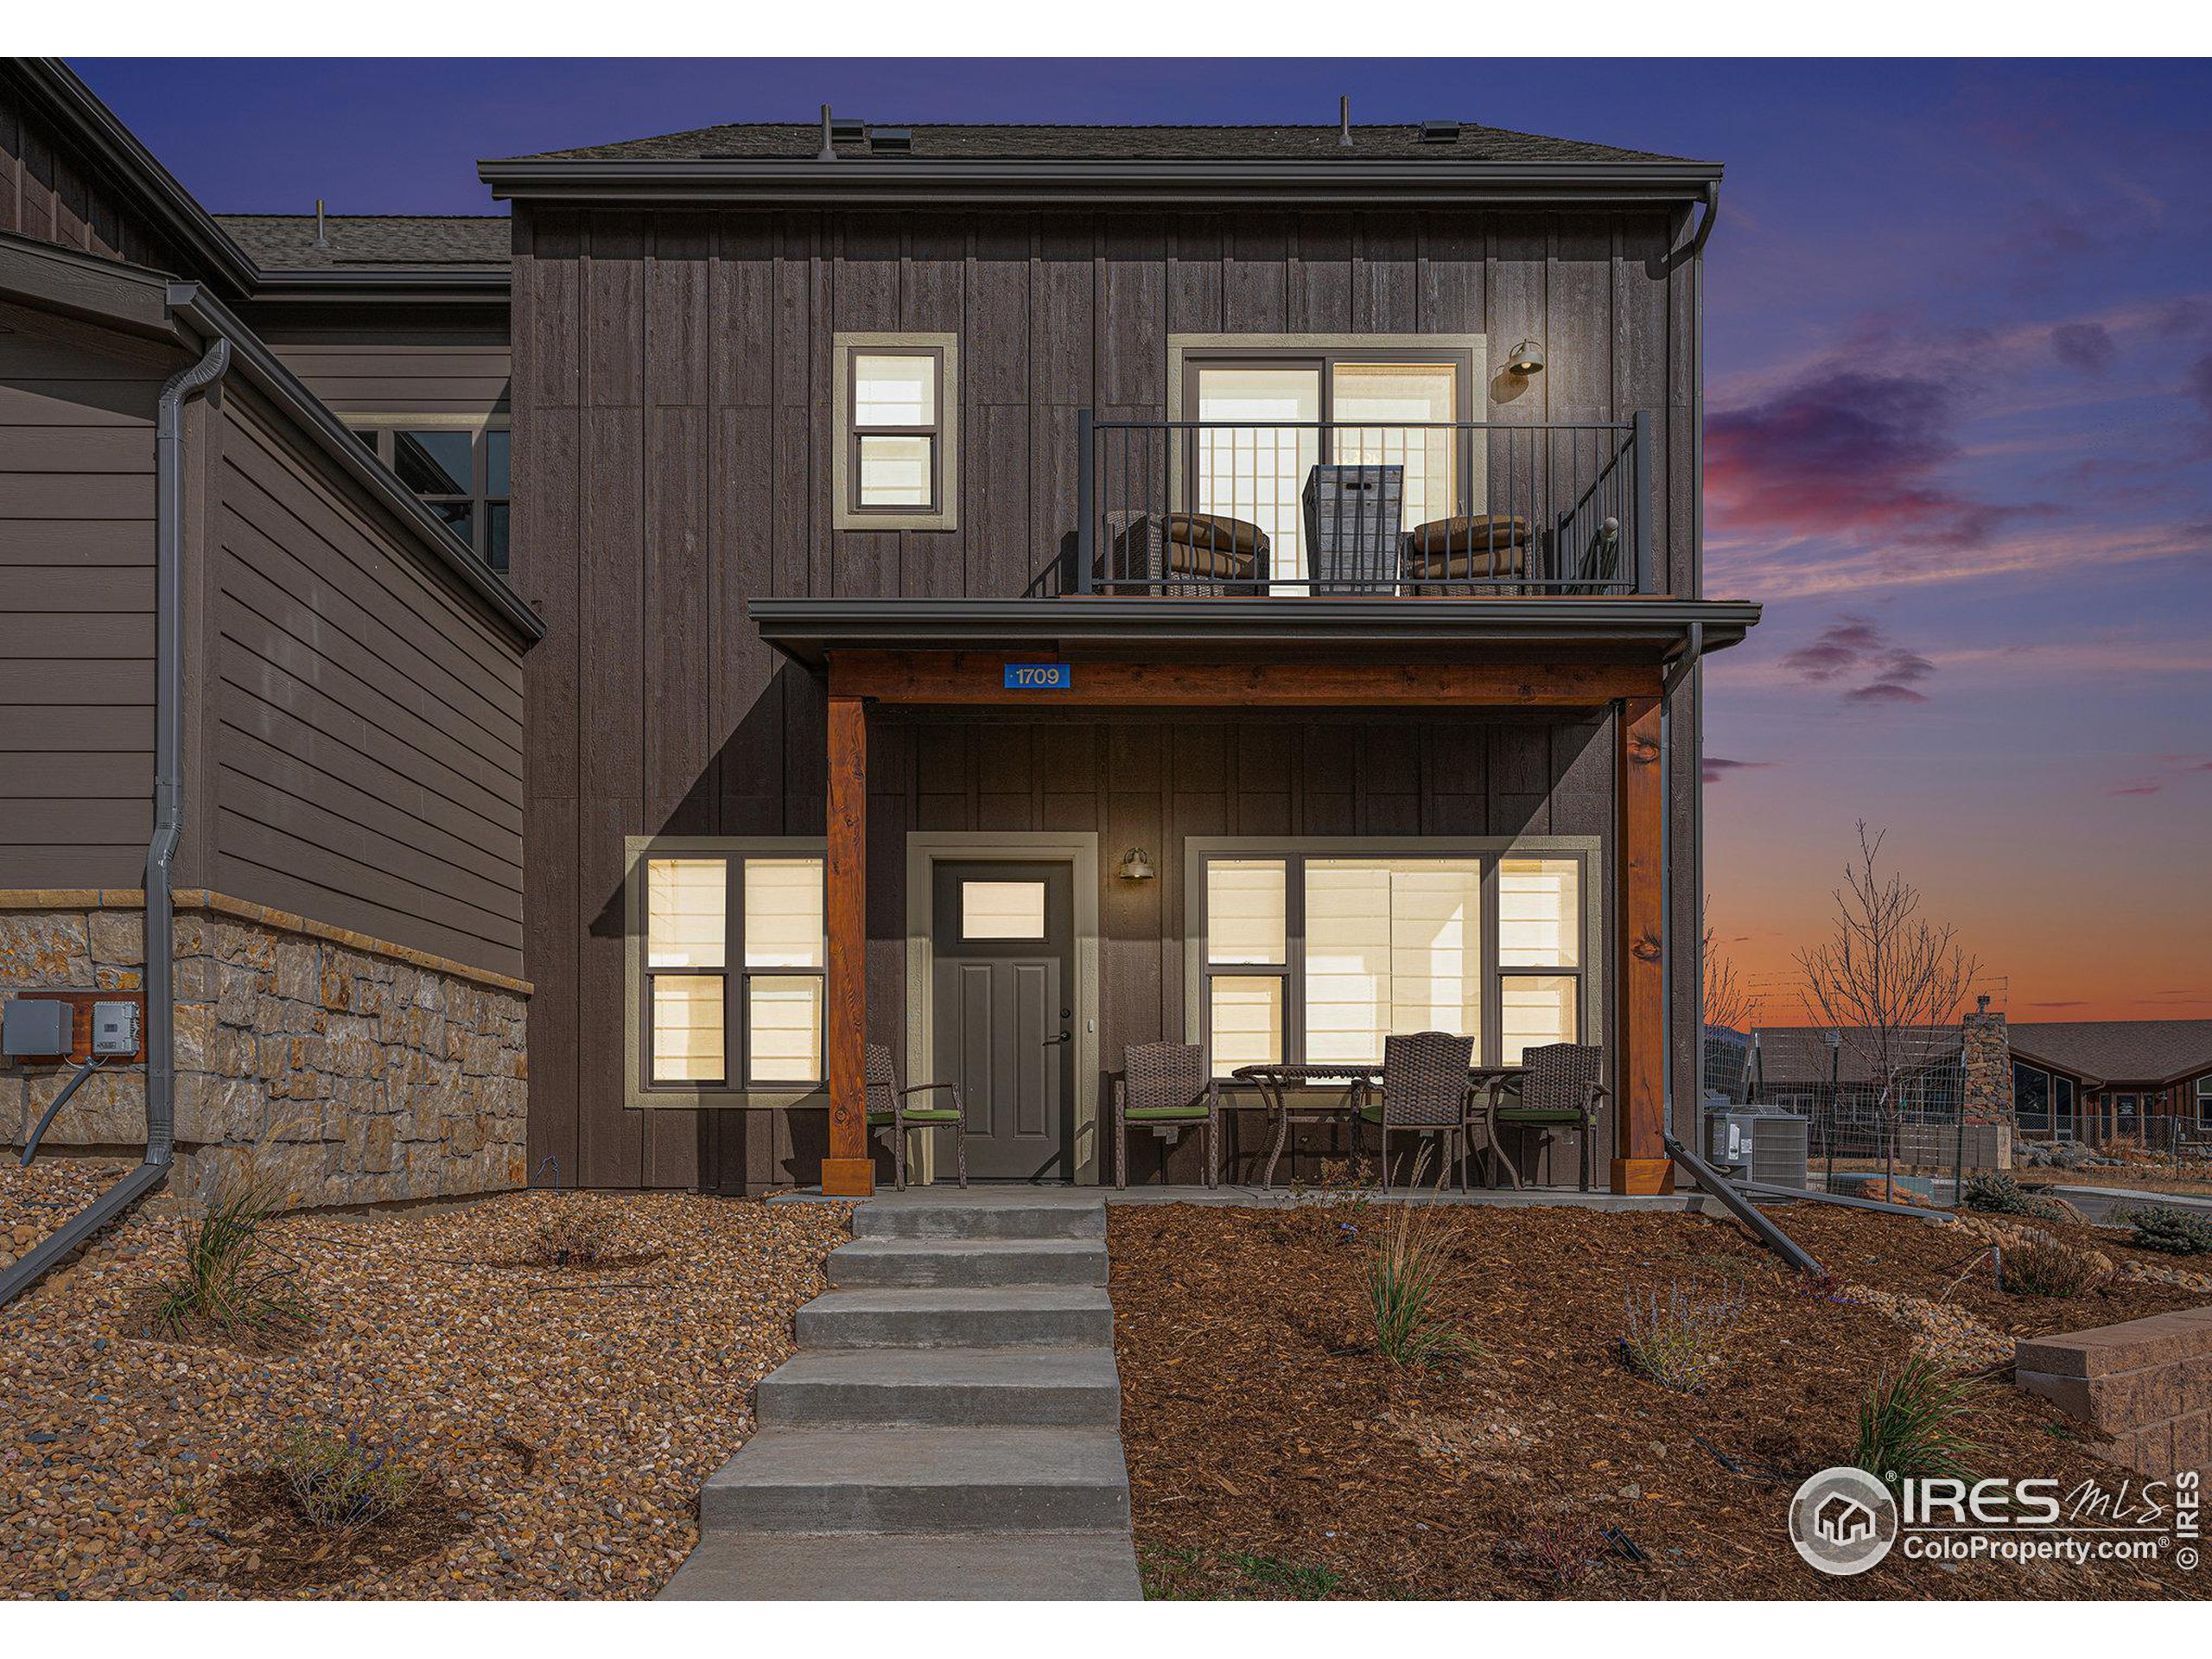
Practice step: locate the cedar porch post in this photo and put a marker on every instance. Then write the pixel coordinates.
(848, 1170)
(1640, 1160)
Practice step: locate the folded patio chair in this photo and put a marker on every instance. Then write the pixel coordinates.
(887, 1109)
(1424, 1089)
(1560, 1091)
(1164, 1087)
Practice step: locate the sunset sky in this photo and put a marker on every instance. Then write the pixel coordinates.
(1958, 357)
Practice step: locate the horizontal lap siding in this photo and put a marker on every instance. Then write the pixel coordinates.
(381, 380)
(363, 726)
(76, 608)
(673, 448)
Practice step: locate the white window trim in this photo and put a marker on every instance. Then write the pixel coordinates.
(637, 1093)
(1592, 971)
(946, 515)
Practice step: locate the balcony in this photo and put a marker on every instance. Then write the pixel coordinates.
(1305, 509)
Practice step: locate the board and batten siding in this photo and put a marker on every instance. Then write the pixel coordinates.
(76, 602)
(671, 410)
(359, 722)
(48, 193)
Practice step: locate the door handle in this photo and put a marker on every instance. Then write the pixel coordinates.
(1054, 1042)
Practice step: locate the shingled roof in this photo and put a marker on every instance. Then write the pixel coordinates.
(795, 142)
(2118, 1051)
(372, 242)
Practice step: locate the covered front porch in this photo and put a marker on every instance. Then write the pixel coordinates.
(910, 683)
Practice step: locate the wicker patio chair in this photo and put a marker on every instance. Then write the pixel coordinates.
(887, 1109)
(1185, 553)
(1424, 1089)
(1560, 1091)
(1164, 1087)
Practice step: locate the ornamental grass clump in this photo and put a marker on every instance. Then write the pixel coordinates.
(2174, 1231)
(1912, 1424)
(1680, 1340)
(1405, 1280)
(580, 1233)
(228, 1281)
(345, 1479)
(2039, 1264)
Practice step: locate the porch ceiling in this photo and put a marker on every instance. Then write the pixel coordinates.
(1249, 629)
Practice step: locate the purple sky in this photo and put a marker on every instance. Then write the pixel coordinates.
(1959, 350)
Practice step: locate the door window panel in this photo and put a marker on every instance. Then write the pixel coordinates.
(1002, 910)
(1256, 471)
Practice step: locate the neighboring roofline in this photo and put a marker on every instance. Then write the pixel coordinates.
(806, 629)
(413, 285)
(254, 361)
(1146, 182)
(2090, 1079)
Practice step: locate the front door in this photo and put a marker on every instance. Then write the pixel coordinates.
(1003, 1012)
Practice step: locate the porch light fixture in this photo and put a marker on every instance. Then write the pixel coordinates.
(1525, 360)
(1136, 865)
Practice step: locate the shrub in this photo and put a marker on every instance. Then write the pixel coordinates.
(580, 1233)
(345, 1479)
(1403, 1281)
(227, 1281)
(2038, 1264)
(1679, 1341)
(2174, 1231)
(2000, 1195)
(1911, 1424)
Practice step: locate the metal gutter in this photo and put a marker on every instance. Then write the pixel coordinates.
(417, 284)
(1137, 182)
(169, 828)
(804, 628)
(273, 380)
(1742, 1208)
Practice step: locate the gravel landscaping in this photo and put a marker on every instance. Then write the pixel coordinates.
(555, 1423)
(1272, 1452)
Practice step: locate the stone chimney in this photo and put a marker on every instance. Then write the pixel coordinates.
(1986, 1089)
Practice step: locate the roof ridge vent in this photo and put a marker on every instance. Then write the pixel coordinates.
(1440, 132)
(890, 141)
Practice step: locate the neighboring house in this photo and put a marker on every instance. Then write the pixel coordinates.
(938, 648)
(2114, 1079)
(885, 696)
(255, 630)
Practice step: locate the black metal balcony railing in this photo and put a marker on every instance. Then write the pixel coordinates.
(1298, 508)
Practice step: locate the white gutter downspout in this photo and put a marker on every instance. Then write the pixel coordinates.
(168, 827)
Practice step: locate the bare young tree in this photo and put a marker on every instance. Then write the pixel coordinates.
(1883, 978)
(1728, 1003)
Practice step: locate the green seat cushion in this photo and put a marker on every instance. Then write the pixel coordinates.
(1167, 1114)
(1537, 1114)
(917, 1115)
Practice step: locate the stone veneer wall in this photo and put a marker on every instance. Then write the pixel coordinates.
(346, 1070)
(1987, 1060)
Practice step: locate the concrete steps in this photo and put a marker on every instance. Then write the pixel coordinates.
(965, 1317)
(949, 1426)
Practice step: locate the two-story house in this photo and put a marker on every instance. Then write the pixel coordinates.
(1012, 593)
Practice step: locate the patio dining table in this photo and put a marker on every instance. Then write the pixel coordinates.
(1276, 1084)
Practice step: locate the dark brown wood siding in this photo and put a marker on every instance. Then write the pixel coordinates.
(51, 193)
(360, 725)
(76, 603)
(672, 399)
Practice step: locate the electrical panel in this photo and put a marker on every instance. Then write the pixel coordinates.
(35, 1028)
(115, 1027)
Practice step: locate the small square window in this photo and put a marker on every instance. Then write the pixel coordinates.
(1002, 910)
(897, 471)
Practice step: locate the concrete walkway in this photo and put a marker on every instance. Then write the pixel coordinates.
(949, 1428)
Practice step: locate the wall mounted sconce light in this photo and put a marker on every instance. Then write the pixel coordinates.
(1136, 865)
(1525, 360)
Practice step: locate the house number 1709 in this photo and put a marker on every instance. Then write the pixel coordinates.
(1038, 677)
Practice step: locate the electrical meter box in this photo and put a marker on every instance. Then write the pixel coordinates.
(35, 1028)
(115, 1027)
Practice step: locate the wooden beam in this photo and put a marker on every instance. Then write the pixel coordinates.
(1640, 1162)
(968, 678)
(848, 1170)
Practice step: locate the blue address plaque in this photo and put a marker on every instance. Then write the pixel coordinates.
(1038, 677)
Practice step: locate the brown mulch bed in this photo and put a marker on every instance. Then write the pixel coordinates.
(564, 1418)
(1272, 1454)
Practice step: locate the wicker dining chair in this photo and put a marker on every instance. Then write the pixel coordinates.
(1560, 1090)
(1164, 1087)
(887, 1109)
(1424, 1089)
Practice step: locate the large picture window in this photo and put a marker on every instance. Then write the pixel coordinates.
(728, 953)
(1315, 955)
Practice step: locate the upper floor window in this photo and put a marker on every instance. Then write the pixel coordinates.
(897, 400)
(460, 473)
